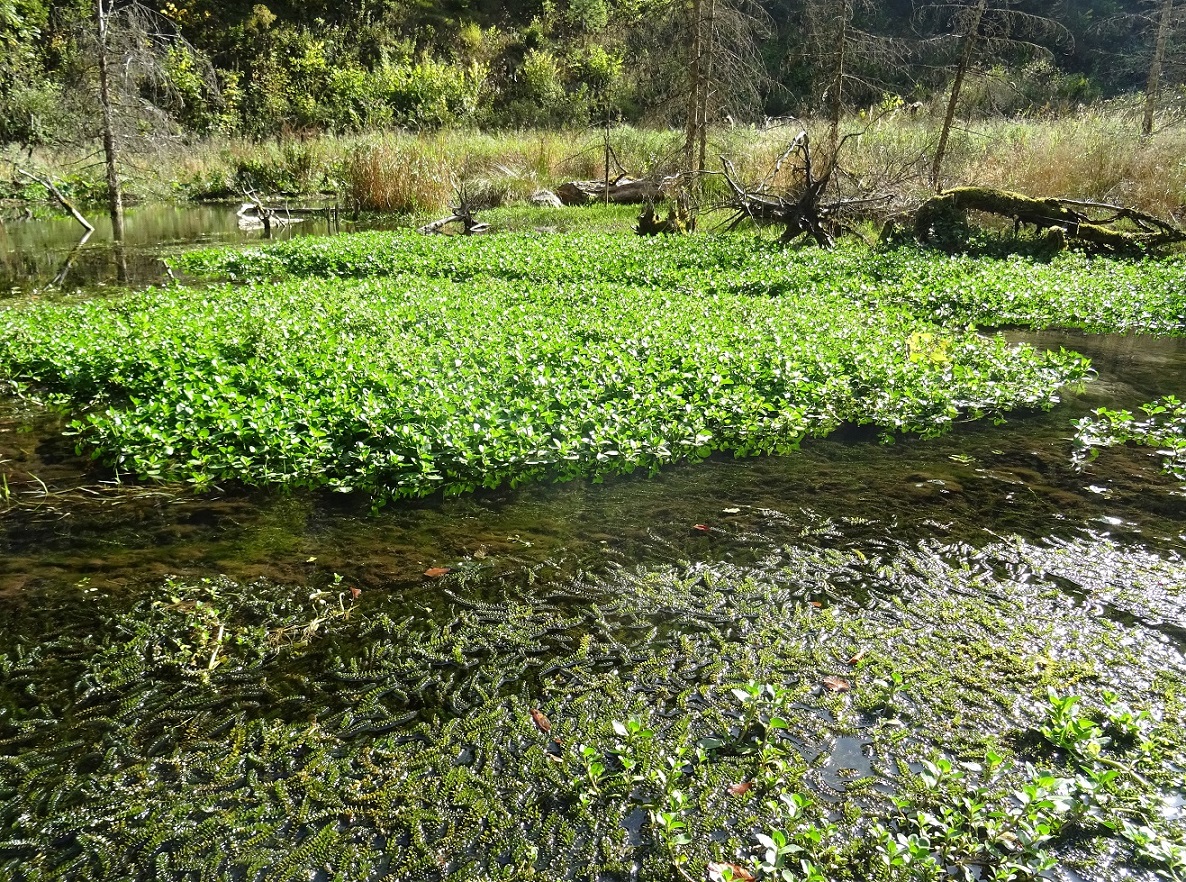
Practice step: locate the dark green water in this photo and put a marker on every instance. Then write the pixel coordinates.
(35, 254)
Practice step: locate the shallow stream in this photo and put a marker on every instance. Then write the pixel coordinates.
(568, 561)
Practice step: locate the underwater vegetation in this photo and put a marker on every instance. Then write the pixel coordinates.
(786, 720)
(401, 365)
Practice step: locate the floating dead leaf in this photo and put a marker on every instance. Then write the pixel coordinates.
(816, 604)
(836, 684)
(740, 789)
(702, 528)
(718, 872)
(355, 593)
(437, 572)
(541, 722)
(856, 658)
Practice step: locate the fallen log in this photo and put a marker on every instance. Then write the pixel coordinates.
(621, 191)
(469, 225)
(62, 200)
(1092, 223)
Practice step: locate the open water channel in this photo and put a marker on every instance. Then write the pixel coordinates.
(65, 524)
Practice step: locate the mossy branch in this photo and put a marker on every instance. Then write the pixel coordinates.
(1070, 216)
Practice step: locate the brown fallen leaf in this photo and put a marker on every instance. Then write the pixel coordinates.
(437, 572)
(816, 604)
(355, 593)
(857, 657)
(702, 528)
(836, 684)
(719, 872)
(541, 722)
(740, 789)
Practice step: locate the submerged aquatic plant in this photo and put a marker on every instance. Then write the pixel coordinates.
(391, 743)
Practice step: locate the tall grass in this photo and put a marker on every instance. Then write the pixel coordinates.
(1097, 154)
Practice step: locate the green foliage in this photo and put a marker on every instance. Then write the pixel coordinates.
(1164, 428)
(453, 365)
(211, 729)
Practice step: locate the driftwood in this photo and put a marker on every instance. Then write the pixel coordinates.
(1092, 223)
(799, 208)
(62, 200)
(470, 226)
(621, 191)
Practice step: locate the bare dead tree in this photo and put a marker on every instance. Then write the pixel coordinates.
(1153, 85)
(724, 69)
(110, 152)
(969, 40)
(854, 62)
(986, 28)
(1158, 22)
(129, 44)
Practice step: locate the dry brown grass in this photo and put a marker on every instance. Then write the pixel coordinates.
(1097, 154)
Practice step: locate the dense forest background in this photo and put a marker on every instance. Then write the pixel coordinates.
(254, 69)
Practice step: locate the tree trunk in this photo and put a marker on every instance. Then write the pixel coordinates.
(115, 195)
(1153, 86)
(969, 51)
(837, 97)
(708, 48)
(695, 84)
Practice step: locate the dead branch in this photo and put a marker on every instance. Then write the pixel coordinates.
(57, 194)
(799, 208)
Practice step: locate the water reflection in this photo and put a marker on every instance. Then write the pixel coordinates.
(38, 253)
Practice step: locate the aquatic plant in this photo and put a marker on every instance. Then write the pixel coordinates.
(1164, 428)
(1095, 294)
(367, 737)
(516, 359)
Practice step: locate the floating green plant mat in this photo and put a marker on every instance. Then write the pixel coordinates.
(1095, 294)
(1163, 428)
(969, 717)
(442, 378)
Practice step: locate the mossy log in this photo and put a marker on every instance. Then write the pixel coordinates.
(679, 220)
(951, 207)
